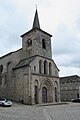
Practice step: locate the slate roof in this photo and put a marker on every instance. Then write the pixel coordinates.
(73, 78)
(36, 20)
(24, 62)
(27, 61)
(10, 53)
(36, 26)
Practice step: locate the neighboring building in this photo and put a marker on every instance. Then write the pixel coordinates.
(29, 75)
(69, 87)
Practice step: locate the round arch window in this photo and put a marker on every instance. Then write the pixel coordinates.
(29, 42)
(1, 68)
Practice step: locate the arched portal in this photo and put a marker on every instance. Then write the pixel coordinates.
(47, 94)
(44, 94)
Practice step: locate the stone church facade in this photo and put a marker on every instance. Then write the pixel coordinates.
(29, 75)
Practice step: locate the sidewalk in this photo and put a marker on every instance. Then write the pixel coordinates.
(49, 104)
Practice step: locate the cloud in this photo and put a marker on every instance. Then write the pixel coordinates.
(67, 71)
(64, 42)
(12, 25)
(66, 49)
(76, 60)
(77, 25)
(61, 18)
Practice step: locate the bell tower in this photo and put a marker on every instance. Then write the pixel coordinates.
(36, 41)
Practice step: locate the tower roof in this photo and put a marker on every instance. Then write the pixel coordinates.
(36, 25)
(36, 20)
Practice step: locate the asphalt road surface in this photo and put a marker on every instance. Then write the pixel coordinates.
(18, 111)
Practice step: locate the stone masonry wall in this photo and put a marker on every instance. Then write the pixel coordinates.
(36, 49)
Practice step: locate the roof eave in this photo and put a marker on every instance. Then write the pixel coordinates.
(33, 30)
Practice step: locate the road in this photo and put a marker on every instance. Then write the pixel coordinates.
(18, 111)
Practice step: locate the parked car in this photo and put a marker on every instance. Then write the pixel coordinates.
(76, 100)
(5, 102)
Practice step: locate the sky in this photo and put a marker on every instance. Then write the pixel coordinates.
(60, 18)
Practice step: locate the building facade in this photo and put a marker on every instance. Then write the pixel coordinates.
(29, 75)
(69, 87)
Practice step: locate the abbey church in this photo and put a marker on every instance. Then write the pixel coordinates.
(29, 75)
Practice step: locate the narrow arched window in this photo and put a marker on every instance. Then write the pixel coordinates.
(50, 69)
(29, 42)
(1, 70)
(0, 79)
(36, 91)
(45, 67)
(40, 66)
(43, 43)
(5, 77)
